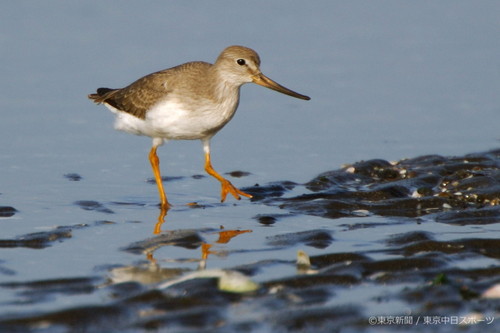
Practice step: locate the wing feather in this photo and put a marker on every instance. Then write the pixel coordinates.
(141, 95)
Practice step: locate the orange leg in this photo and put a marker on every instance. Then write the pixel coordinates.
(227, 187)
(155, 163)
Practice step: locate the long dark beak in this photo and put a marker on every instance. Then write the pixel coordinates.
(264, 81)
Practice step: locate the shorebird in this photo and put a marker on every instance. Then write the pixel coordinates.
(192, 101)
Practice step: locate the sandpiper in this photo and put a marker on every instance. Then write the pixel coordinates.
(192, 101)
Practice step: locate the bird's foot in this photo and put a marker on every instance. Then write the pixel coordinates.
(165, 206)
(227, 187)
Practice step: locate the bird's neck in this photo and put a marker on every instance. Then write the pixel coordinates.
(224, 87)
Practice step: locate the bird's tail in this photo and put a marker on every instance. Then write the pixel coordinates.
(102, 95)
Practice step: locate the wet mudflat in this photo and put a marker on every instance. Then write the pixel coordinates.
(372, 246)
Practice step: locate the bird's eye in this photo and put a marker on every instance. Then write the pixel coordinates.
(241, 62)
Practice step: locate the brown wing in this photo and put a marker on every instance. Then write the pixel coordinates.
(138, 97)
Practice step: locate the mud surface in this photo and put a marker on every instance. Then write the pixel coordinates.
(423, 250)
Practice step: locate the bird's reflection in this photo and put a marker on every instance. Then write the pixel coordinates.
(163, 214)
(224, 237)
(152, 271)
(161, 219)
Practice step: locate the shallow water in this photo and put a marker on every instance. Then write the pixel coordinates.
(412, 240)
(388, 80)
